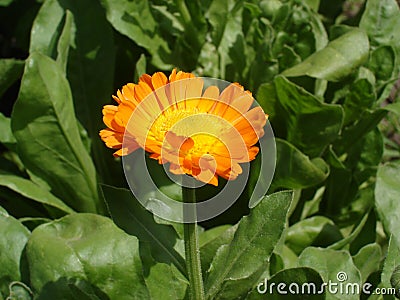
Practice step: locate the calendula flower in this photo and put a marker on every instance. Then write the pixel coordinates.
(202, 133)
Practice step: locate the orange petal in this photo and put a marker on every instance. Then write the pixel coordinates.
(146, 79)
(158, 80)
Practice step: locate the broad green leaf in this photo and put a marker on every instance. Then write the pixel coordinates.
(298, 112)
(334, 266)
(49, 144)
(361, 97)
(211, 234)
(391, 262)
(134, 19)
(383, 63)
(289, 258)
(64, 41)
(10, 71)
(132, 217)
(352, 236)
(84, 252)
(381, 20)
(173, 283)
(30, 190)
(288, 58)
(295, 283)
(13, 237)
(394, 108)
(387, 194)
(47, 28)
(295, 170)
(367, 260)
(367, 122)
(6, 135)
(237, 266)
(310, 231)
(337, 60)
(367, 155)
(209, 247)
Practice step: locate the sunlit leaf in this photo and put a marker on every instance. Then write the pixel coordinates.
(49, 144)
(337, 60)
(85, 253)
(13, 237)
(237, 266)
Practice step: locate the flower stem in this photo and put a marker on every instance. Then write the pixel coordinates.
(192, 251)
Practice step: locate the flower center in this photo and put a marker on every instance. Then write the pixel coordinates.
(203, 128)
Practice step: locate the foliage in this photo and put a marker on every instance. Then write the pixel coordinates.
(325, 77)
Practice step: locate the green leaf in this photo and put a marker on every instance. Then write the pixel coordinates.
(308, 231)
(134, 19)
(131, 216)
(351, 134)
(10, 71)
(90, 72)
(298, 112)
(64, 41)
(217, 15)
(226, 20)
(49, 144)
(209, 246)
(352, 236)
(30, 190)
(367, 260)
(85, 252)
(237, 266)
(13, 237)
(211, 234)
(313, 4)
(6, 2)
(391, 262)
(383, 63)
(6, 135)
(337, 60)
(306, 284)
(381, 20)
(140, 67)
(332, 266)
(173, 283)
(295, 170)
(361, 97)
(47, 28)
(387, 195)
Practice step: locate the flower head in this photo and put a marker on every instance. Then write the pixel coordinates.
(202, 133)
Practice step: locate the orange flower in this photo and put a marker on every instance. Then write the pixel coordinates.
(204, 134)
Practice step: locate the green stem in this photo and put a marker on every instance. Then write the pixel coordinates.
(192, 251)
